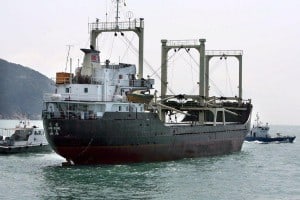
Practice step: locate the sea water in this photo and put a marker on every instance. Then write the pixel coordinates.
(259, 171)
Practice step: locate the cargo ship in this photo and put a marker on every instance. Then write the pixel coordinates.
(109, 114)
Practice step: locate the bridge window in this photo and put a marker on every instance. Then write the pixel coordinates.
(86, 90)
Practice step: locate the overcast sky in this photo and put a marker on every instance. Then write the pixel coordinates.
(35, 33)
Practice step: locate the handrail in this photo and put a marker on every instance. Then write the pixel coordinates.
(104, 26)
(183, 42)
(224, 52)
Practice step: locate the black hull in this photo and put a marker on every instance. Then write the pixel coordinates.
(115, 139)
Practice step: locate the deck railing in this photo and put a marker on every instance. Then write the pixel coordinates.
(117, 26)
(224, 52)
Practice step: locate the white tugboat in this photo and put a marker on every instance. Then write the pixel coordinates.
(260, 133)
(23, 138)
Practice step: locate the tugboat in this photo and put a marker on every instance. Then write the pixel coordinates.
(25, 138)
(260, 133)
(97, 116)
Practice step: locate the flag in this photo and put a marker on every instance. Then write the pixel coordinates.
(95, 58)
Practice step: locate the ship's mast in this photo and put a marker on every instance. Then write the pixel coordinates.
(68, 54)
(199, 45)
(167, 45)
(117, 14)
(224, 54)
(136, 26)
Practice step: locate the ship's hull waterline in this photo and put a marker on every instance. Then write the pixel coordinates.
(116, 141)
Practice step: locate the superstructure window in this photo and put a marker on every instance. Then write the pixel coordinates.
(67, 90)
(86, 90)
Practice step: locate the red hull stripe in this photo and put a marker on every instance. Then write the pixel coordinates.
(145, 153)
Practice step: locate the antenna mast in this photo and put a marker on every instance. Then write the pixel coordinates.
(117, 11)
(117, 14)
(69, 48)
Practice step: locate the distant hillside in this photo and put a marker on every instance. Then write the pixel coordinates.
(22, 91)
